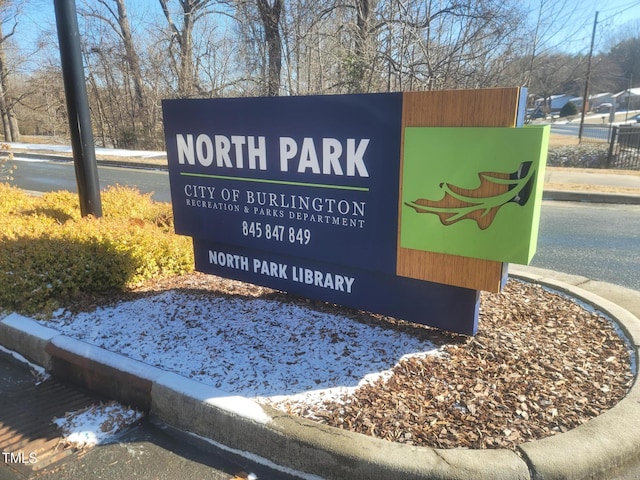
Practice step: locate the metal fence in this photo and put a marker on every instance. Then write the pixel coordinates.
(624, 147)
(594, 132)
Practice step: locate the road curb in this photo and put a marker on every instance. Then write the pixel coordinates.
(599, 449)
(590, 197)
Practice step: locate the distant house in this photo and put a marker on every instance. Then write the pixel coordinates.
(596, 100)
(554, 103)
(628, 99)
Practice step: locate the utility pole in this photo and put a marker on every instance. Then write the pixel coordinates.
(84, 153)
(626, 116)
(585, 98)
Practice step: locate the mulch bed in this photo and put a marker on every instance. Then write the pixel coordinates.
(540, 364)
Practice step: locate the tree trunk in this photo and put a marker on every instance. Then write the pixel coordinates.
(140, 113)
(9, 120)
(270, 16)
(188, 84)
(132, 57)
(186, 80)
(362, 54)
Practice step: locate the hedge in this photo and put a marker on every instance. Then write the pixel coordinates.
(49, 253)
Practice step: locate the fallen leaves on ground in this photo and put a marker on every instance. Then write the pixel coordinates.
(539, 365)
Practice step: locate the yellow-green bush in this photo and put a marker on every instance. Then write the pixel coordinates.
(6, 171)
(49, 253)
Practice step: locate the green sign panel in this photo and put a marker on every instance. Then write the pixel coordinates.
(473, 192)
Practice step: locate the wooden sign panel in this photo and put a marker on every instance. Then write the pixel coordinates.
(456, 108)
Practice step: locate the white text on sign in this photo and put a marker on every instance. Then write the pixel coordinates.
(326, 156)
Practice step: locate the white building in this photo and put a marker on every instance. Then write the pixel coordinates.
(628, 99)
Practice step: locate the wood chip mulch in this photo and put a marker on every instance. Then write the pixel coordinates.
(540, 364)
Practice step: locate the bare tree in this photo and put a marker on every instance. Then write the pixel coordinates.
(270, 16)
(119, 22)
(114, 14)
(273, 47)
(260, 43)
(553, 23)
(39, 90)
(310, 45)
(552, 74)
(330, 47)
(182, 35)
(9, 12)
(363, 50)
(454, 44)
(624, 55)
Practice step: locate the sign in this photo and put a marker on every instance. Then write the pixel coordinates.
(309, 177)
(473, 192)
(304, 194)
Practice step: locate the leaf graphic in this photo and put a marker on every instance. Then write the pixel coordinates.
(482, 203)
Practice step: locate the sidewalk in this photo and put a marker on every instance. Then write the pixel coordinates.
(31, 446)
(591, 185)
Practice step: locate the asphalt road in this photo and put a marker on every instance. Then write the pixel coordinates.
(47, 176)
(589, 130)
(598, 241)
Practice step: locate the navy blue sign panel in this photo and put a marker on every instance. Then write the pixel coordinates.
(301, 194)
(309, 177)
(441, 306)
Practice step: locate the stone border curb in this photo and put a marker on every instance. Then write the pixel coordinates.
(600, 448)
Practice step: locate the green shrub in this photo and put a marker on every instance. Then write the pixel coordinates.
(50, 254)
(568, 110)
(6, 172)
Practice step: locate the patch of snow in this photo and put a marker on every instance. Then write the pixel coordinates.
(247, 347)
(39, 372)
(33, 327)
(115, 152)
(240, 406)
(96, 424)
